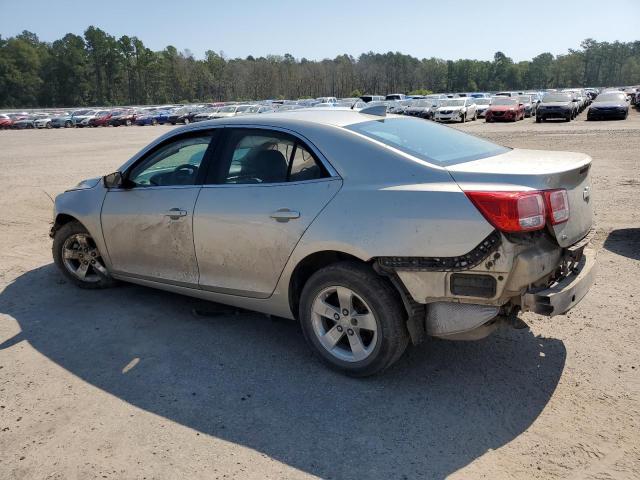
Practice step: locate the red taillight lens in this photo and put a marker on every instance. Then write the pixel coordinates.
(557, 205)
(511, 211)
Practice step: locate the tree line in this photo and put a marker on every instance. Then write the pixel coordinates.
(100, 69)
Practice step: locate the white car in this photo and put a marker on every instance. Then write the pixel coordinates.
(456, 110)
(231, 111)
(482, 105)
(326, 100)
(42, 122)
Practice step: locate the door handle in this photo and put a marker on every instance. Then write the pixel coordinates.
(175, 213)
(284, 215)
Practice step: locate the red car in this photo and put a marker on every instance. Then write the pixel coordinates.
(101, 120)
(5, 121)
(505, 108)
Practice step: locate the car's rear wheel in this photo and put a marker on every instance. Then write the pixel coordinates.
(154, 122)
(353, 319)
(186, 121)
(127, 123)
(78, 258)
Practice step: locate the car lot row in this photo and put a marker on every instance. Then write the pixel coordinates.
(512, 106)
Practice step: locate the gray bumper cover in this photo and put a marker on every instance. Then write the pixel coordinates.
(565, 294)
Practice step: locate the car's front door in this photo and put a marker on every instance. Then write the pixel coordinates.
(265, 190)
(148, 223)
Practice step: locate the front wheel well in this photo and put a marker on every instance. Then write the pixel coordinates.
(61, 219)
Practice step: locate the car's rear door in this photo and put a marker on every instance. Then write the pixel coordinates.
(148, 226)
(265, 190)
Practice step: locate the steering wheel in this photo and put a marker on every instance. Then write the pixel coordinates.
(185, 172)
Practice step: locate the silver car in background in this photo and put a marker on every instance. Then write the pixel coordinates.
(371, 230)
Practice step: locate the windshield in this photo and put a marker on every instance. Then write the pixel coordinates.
(556, 97)
(453, 103)
(483, 101)
(428, 141)
(524, 98)
(503, 101)
(611, 97)
(227, 109)
(243, 108)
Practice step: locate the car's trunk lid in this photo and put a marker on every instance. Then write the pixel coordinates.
(521, 170)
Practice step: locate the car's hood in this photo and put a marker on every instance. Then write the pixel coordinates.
(502, 108)
(86, 184)
(440, 109)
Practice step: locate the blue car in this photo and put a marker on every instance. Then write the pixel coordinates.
(153, 118)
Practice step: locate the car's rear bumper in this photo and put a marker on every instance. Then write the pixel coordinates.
(567, 292)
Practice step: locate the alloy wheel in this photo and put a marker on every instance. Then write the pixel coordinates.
(82, 259)
(344, 324)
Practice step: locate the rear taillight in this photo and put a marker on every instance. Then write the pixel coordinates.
(511, 211)
(557, 205)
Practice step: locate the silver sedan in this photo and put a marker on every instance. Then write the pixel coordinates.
(371, 230)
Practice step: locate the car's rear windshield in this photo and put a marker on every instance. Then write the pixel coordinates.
(428, 141)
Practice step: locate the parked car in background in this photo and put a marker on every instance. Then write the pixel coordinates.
(456, 110)
(422, 108)
(153, 118)
(479, 232)
(67, 120)
(372, 98)
(82, 120)
(230, 111)
(395, 96)
(122, 117)
(101, 119)
(24, 122)
(184, 115)
(529, 106)
(506, 94)
(557, 105)
(206, 114)
(42, 122)
(482, 105)
(5, 121)
(580, 96)
(326, 100)
(609, 105)
(505, 109)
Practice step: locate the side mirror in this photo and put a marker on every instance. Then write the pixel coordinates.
(113, 180)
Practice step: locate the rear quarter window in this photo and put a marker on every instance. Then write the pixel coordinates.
(428, 141)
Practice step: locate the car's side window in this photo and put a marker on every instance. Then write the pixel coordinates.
(268, 157)
(176, 163)
(304, 166)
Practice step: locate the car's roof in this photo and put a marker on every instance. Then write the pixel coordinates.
(335, 116)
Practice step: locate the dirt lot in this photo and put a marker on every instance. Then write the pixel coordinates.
(130, 384)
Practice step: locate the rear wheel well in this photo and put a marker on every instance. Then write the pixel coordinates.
(316, 261)
(307, 267)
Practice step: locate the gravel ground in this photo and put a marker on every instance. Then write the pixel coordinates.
(130, 383)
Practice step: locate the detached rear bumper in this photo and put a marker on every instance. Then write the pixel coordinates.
(566, 293)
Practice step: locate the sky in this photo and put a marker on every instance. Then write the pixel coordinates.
(473, 29)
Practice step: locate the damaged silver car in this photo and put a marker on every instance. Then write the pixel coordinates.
(371, 230)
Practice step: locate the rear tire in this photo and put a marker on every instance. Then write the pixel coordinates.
(353, 319)
(74, 251)
(538, 119)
